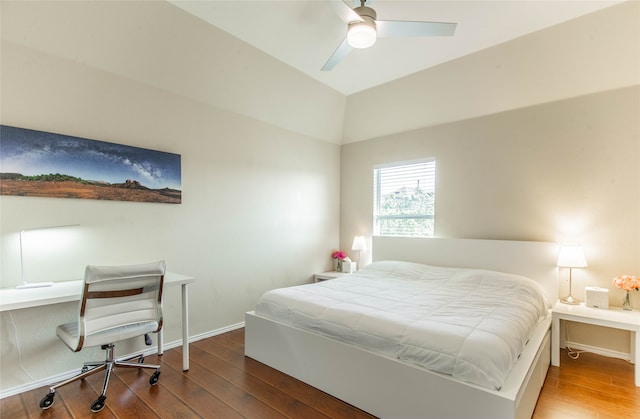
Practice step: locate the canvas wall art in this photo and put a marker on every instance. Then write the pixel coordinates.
(37, 163)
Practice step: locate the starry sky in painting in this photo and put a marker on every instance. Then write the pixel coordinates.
(30, 152)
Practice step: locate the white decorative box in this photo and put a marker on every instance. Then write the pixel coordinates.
(596, 297)
(348, 267)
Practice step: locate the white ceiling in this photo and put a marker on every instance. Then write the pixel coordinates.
(304, 33)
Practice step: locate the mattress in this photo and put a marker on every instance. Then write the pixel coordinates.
(467, 323)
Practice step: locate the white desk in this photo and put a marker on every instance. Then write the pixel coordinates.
(614, 317)
(67, 291)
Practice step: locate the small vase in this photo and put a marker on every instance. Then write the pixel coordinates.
(626, 302)
(338, 265)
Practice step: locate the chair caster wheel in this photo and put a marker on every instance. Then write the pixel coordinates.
(141, 360)
(98, 405)
(154, 378)
(47, 401)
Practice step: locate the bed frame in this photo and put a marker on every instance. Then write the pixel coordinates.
(388, 388)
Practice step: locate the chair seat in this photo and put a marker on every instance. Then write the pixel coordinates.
(68, 333)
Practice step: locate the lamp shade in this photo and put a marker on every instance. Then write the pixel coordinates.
(361, 34)
(359, 243)
(571, 256)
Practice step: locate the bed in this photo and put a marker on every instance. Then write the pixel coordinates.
(359, 368)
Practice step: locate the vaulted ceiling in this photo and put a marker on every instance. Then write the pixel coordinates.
(304, 33)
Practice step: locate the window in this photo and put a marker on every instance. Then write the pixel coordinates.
(404, 198)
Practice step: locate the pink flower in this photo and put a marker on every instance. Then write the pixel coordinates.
(627, 282)
(338, 254)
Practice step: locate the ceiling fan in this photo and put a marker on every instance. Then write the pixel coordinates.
(363, 29)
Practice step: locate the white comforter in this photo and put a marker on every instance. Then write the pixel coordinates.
(470, 324)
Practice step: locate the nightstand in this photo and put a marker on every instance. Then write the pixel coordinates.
(614, 317)
(328, 275)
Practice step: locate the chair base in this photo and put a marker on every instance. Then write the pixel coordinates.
(90, 368)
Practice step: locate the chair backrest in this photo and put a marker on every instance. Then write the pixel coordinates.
(120, 296)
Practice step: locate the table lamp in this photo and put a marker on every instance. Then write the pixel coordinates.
(359, 245)
(571, 256)
(24, 283)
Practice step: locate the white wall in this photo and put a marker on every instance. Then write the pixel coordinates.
(594, 53)
(158, 44)
(561, 166)
(259, 210)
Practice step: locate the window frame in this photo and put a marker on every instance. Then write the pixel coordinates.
(377, 197)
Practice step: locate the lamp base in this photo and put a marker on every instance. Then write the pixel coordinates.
(569, 299)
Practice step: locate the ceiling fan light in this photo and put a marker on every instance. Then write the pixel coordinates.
(361, 34)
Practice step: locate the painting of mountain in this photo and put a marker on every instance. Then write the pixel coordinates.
(43, 164)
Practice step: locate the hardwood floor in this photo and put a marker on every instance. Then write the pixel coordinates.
(222, 383)
(591, 386)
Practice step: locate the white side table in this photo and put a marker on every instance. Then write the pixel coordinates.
(614, 317)
(328, 275)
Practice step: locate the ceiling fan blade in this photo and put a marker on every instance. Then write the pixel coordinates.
(343, 49)
(346, 13)
(400, 28)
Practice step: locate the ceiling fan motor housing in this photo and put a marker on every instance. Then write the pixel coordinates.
(366, 12)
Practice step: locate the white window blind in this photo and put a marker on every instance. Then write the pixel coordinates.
(404, 199)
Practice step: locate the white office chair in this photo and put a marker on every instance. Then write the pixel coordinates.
(118, 303)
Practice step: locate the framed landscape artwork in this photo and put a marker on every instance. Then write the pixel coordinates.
(37, 163)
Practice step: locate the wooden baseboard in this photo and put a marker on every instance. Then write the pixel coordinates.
(597, 350)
